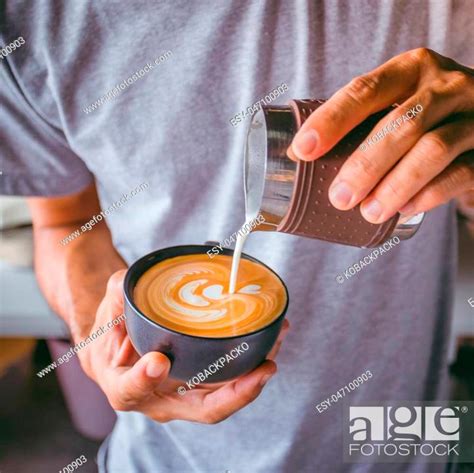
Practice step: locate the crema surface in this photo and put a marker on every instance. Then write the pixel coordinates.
(189, 294)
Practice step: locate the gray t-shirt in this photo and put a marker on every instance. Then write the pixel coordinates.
(170, 129)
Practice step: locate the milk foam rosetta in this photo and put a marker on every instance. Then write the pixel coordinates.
(189, 294)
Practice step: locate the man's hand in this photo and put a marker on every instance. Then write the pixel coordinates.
(142, 384)
(75, 278)
(421, 164)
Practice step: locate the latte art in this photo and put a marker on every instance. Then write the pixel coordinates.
(189, 294)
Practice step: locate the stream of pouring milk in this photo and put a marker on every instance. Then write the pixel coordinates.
(251, 221)
(241, 237)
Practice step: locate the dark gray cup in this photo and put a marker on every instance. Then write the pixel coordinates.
(189, 354)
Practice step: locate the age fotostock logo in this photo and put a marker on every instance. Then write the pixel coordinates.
(399, 432)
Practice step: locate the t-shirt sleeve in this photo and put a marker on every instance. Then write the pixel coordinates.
(461, 36)
(35, 158)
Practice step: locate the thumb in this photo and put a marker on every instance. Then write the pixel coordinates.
(136, 384)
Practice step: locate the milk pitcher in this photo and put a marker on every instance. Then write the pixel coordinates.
(293, 197)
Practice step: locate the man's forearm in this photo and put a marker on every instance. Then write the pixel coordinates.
(73, 277)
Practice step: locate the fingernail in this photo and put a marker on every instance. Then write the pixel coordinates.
(154, 370)
(264, 379)
(373, 209)
(340, 195)
(305, 143)
(291, 154)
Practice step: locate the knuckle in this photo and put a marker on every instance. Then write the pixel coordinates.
(434, 195)
(363, 88)
(162, 417)
(396, 189)
(413, 127)
(250, 396)
(363, 165)
(439, 90)
(115, 281)
(124, 398)
(460, 79)
(427, 98)
(464, 173)
(433, 148)
(460, 84)
(417, 169)
(334, 114)
(211, 417)
(430, 96)
(423, 55)
(117, 404)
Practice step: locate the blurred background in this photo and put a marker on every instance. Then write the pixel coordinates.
(47, 422)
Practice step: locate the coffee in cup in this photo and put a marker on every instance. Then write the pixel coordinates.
(190, 294)
(177, 302)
